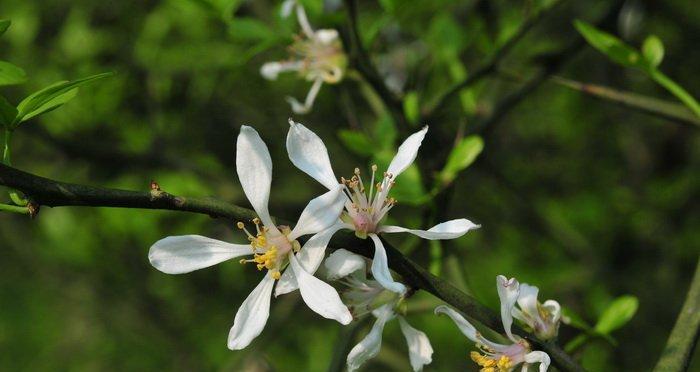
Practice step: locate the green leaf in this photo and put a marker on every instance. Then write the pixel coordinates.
(52, 97)
(461, 156)
(4, 25)
(411, 107)
(618, 313)
(11, 74)
(249, 29)
(8, 113)
(653, 50)
(611, 46)
(357, 142)
(385, 133)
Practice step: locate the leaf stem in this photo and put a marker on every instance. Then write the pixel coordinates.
(676, 90)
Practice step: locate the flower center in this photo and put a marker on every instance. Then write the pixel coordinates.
(270, 248)
(363, 210)
(492, 363)
(322, 57)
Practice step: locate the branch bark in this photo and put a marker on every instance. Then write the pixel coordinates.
(48, 192)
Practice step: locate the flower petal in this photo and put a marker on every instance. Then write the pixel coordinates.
(252, 315)
(380, 268)
(420, 352)
(469, 330)
(287, 7)
(554, 308)
(407, 153)
(537, 357)
(369, 347)
(508, 291)
(319, 296)
(342, 263)
(254, 168)
(447, 230)
(527, 300)
(310, 257)
(183, 254)
(308, 153)
(321, 213)
(463, 325)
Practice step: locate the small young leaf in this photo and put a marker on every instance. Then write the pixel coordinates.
(11, 74)
(611, 46)
(618, 313)
(462, 156)
(4, 25)
(52, 97)
(356, 142)
(7, 113)
(653, 50)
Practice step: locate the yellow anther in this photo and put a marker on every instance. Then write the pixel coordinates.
(357, 171)
(374, 167)
(242, 261)
(256, 221)
(276, 275)
(504, 362)
(240, 225)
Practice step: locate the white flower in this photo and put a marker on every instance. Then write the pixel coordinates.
(364, 212)
(495, 357)
(316, 55)
(272, 247)
(365, 295)
(541, 319)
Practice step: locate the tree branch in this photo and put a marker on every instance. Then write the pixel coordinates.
(47, 192)
(684, 336)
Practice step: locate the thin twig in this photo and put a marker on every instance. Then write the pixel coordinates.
(684, 336)
(44, 191)
(491, 63)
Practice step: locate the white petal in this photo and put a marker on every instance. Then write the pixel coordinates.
(463, 325)
(287, 7)
(254, 167)
(252, 315)
(538, 357)
(310, 257)
(326, 36)
(342, 263)
(554, 309)
(308, 153)
(183, 254)
(508, 291)
(420, 352)
(447, 230)
(527, 300)
(369, 347)
(380, 268)
(321, 213)
(407, 152)
(319, 296)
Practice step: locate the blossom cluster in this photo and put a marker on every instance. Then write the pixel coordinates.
(348, 204)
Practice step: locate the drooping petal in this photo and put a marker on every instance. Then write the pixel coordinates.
(463, 325)
(183, 254)
(508, 291)
(380, 268)
(287, 7)
(271, 70)
(369, 347)
(310, 257)
(342, 263)
(420, 352)
(319, 296)
(537, 357)
(326, 36)
(308, 153)
(527, 300)
(321, 213)
(469, 330)
(447, 230)
(252, 315)
(407, 152)
(304, 108)
(254, 168)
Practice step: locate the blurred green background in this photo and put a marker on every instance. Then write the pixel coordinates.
(583, 198)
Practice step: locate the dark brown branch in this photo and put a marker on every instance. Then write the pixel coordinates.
(47, 192)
